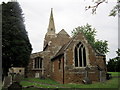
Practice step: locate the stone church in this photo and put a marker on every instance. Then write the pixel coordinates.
(67, 59)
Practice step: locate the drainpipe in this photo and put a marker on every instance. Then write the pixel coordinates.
(63, 69)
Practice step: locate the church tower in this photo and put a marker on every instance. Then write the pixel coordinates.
(50, 31)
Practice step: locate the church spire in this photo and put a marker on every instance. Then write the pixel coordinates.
(51, 26)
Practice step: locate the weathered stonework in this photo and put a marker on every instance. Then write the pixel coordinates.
(59, 58)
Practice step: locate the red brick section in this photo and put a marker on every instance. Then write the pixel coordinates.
(76, 75)
(57, 74)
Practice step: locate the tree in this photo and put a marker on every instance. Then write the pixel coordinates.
(16, 47)
(113, 64)
(101, 46)
(90, 33)
(113, 12)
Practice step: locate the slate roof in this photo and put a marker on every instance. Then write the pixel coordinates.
(60, 52)
(38, 54)
(63, 32)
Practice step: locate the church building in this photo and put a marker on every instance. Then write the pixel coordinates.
(67, 59)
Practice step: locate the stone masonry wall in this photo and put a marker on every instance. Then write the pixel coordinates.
(76, 75)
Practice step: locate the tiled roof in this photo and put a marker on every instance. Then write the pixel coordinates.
(60, 52)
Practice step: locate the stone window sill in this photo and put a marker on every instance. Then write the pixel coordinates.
(79, 68)
(36, 69)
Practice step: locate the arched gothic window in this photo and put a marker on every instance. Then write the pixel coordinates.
(80, 55)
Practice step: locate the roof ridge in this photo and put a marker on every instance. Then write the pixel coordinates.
(63, 32)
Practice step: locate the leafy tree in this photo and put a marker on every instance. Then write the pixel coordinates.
(16, 47)
(90, 33)
(113, 64)
(101, 46)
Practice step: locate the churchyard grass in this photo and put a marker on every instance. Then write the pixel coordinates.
(115, 73)
(32, 88)
(26, 83)
(112, 83)
(46, 81)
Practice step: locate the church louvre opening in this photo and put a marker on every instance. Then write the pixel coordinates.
(38, 63)
(80, 55)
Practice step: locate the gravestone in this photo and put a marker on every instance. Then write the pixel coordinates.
(102, 76)
(15, 86)
(0, 84)
(86, 80)
(17, 78)
(7, 81)
(108, 76)
(42, 77)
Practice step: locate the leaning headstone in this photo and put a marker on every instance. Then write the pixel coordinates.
(15, 86)
(7, 81)
(86, 80)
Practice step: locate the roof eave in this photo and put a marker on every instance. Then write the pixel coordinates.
(53, 58)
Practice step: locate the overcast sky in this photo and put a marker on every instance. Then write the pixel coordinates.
(69, 14)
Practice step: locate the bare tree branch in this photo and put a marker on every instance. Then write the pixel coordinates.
(97, 3)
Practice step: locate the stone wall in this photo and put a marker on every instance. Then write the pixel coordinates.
(45, 64)
(17, 70)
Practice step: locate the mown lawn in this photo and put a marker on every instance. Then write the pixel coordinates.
(48, 83)
(26, 83)
(115, 73)
(113, 83)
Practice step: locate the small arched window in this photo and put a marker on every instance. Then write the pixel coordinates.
(80, 55)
